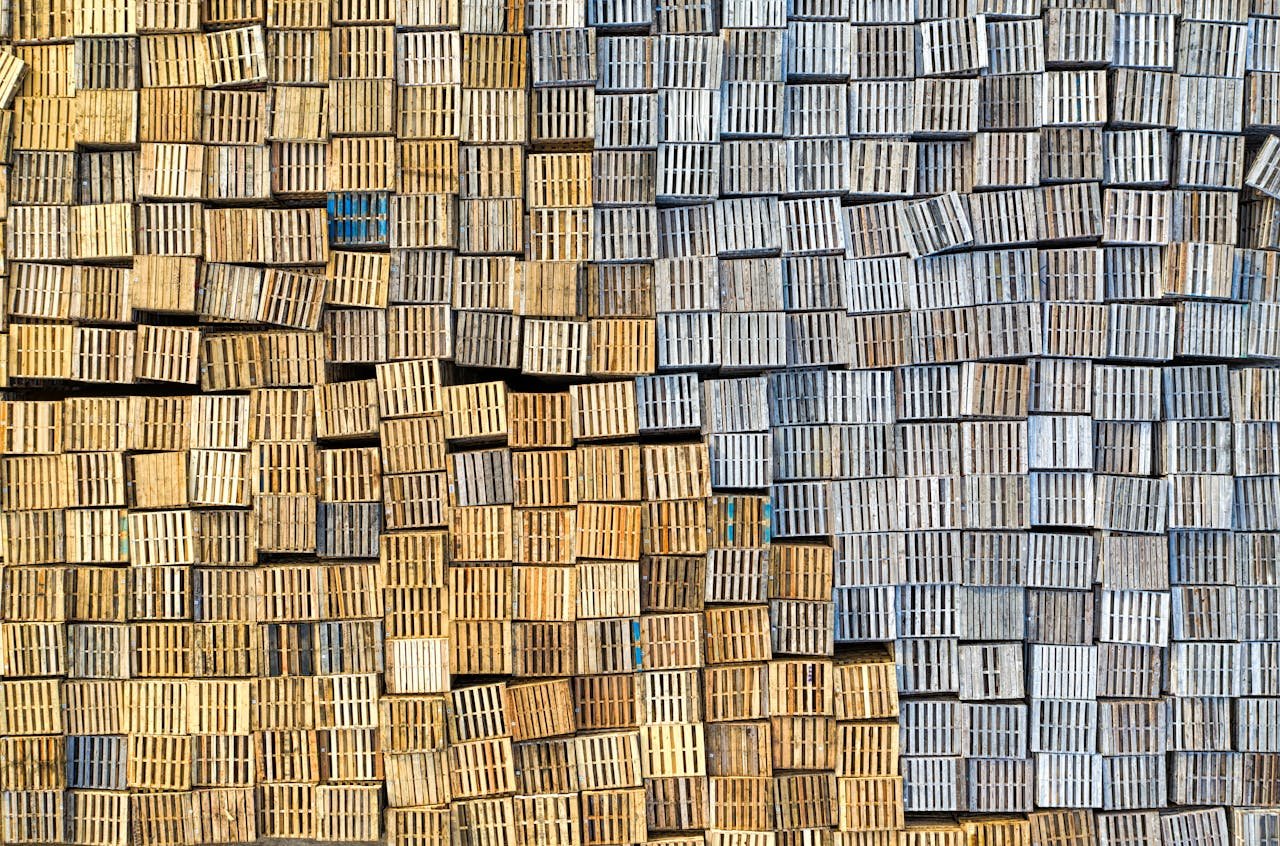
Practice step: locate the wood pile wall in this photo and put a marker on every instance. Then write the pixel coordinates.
(578, 422)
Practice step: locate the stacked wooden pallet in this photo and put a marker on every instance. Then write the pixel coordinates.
(172, 679)
(488, 422)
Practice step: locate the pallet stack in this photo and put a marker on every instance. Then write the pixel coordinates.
(487, 422)
(618, 294)
(560, 189)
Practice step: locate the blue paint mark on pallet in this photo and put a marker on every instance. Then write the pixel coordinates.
(637, 650)
(359, 218)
